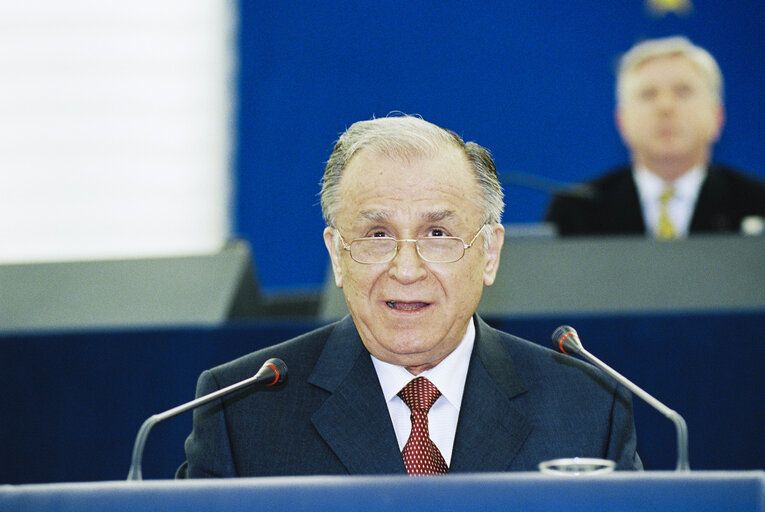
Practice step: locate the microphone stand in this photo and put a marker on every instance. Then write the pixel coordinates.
(273, 369)
(680, 425)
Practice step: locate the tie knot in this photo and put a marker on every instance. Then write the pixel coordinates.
(420, 393)
(667, 194)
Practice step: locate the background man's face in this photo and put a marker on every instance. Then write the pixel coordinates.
(667, 113)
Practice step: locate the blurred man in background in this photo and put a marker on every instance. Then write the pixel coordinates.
(669, 113)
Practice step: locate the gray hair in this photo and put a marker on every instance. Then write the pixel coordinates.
(406, 137)
(667, 47)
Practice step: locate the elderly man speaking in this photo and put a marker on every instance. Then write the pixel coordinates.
(412, 381)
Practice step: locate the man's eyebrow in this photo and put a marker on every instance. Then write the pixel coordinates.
(438, 215)
(385, 215)
(376, 215)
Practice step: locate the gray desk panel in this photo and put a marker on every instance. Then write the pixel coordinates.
(190, 290)
(604, 275)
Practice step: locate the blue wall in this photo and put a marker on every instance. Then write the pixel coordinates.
(530, 80)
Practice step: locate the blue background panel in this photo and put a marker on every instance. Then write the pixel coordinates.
(530, 80)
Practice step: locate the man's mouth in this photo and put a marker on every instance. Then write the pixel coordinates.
(406, 306)
(666, 131)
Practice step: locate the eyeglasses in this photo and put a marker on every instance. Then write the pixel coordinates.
(433, 249)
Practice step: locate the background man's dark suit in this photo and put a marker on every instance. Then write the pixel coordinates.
(523, 404)
(726, 197)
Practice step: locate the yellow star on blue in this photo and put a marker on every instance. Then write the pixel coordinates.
(662, 7)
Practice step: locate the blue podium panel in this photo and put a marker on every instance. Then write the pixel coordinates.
(73, 402)
(529, 492)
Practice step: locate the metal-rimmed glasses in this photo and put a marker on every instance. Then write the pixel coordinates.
(433, 249)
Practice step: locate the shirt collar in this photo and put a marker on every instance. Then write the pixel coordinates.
(448, 376)
(651, 185)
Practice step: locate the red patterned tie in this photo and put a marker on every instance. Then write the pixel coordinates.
(421, 455)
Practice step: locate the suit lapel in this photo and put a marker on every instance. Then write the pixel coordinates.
(355, 423)
(710, 212)
(625, 211)
(354, 420)
(491, 429)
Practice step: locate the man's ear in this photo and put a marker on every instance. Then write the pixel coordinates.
(718, 125)
(334, 256)
(496, 241)
(618, 121)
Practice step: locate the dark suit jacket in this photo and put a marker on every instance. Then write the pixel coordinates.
(726, 197)
(522, 404)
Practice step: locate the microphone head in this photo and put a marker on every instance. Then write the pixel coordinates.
(273, 372)
(566, 340)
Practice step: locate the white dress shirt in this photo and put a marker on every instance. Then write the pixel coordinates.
(448, 376)
(679, 209)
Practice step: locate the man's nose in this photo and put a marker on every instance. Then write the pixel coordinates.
(665, 101)
(407, 265)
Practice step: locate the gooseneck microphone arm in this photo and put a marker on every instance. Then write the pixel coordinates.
(566, 340)
(273, 372)
(548, 185)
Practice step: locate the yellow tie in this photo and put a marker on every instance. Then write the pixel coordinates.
(666, 230)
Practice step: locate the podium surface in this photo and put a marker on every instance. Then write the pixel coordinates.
(529, 492)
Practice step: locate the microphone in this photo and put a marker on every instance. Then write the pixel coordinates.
(567, 341)
(273, 372)
(548, 185)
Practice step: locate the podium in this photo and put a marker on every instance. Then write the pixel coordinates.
(528, 492)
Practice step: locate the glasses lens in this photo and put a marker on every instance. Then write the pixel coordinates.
(441, 249)
(373, 250)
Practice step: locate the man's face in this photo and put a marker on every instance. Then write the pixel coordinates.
(668, 114)
(409, 312)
